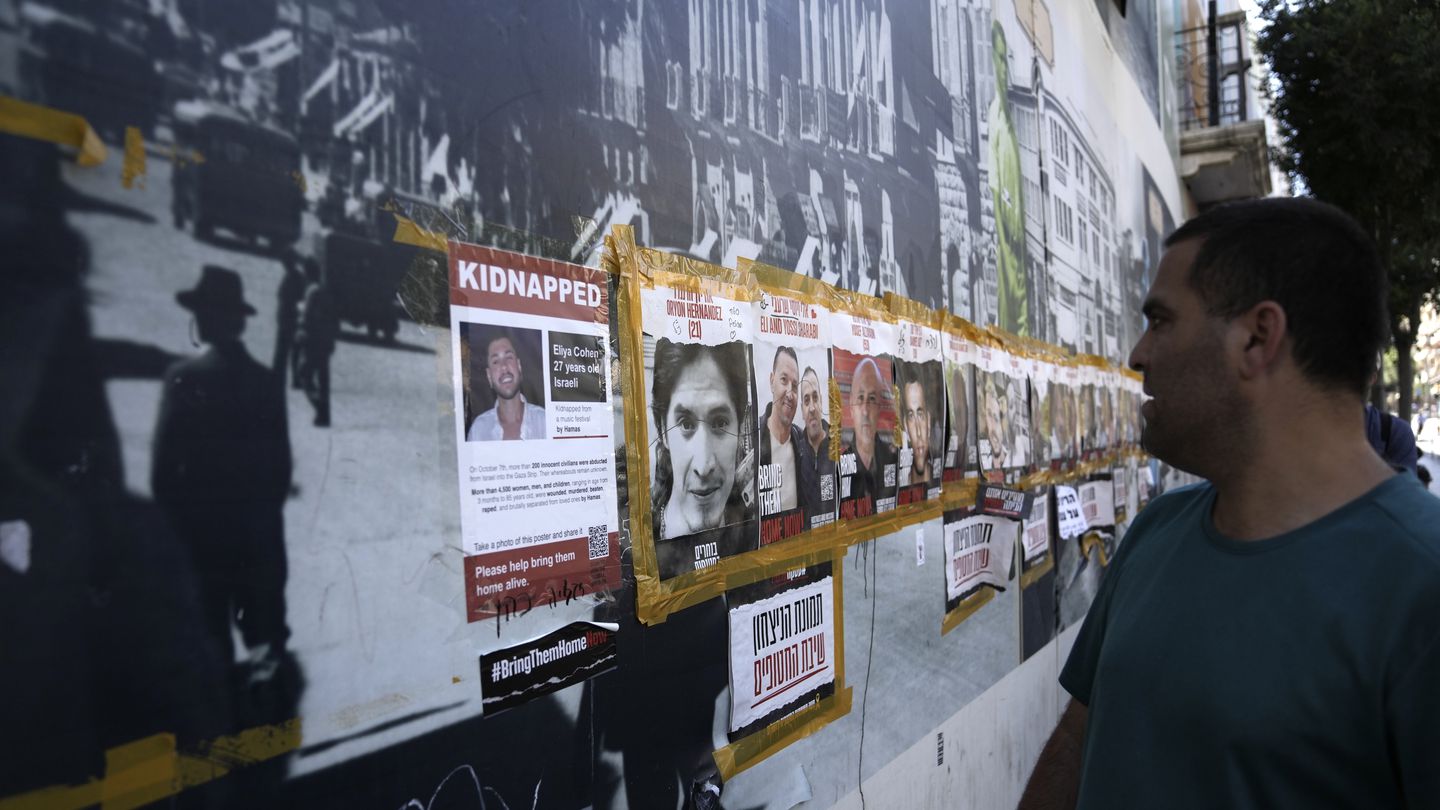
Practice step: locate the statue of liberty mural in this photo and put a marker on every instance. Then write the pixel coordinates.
(1005, 186)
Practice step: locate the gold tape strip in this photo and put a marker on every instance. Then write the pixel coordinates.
(1092, 539)
(48, 124)
(837, 413)
(133, 165)
(756, 748)
(149, 769)
(967, 608)
(897, 434)
(407, 232)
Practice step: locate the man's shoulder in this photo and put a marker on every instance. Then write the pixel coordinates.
(1411, 520)
(1168, 507)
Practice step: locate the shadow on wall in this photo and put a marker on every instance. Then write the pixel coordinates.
(119, 614)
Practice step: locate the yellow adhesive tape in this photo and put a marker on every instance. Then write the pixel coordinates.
(146, 770)
(967, 608)
(47, 124)
(134, 165)
(407, 232)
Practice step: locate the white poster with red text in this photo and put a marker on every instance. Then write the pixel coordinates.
(534, 422)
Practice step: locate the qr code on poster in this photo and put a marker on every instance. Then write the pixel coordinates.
(599, 543)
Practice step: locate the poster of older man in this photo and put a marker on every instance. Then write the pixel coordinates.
(864, 338)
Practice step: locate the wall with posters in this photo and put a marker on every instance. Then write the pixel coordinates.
(317, 425)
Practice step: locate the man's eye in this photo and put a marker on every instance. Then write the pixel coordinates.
(720, 424)
(686, 424)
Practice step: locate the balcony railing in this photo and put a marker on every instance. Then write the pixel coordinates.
(1211, 73)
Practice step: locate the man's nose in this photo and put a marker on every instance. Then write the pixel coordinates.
(705, 457)
(1139, 354)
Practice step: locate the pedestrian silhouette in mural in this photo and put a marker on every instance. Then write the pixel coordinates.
(221, 472)
(319, 327)
(89, 575)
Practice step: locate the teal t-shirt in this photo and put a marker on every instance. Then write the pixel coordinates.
(1298, 671)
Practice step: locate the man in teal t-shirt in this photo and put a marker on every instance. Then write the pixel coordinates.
(1270, 638)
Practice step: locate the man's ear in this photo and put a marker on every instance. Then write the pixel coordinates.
(1260, 337)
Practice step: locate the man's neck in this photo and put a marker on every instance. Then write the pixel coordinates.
(815, 442)
(1299, 469)
(510, 410)
(865, 454)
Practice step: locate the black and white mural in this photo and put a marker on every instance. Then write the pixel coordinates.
(227, 496)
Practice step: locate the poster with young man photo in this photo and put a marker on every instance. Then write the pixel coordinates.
(701, 426)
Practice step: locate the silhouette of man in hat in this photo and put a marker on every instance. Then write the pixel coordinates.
(222, 472)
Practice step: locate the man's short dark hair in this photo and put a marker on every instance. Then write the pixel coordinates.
(914, 374)
(784, 350)
(1313, 260)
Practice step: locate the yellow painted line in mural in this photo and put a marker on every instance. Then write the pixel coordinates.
(409, 233)
(44, 123)
(134, 164)
(146, 770)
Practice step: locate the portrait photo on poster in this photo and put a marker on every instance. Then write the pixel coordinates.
(701, 421)
(503, 373)
(960, 455)
(796, 476)
(867, 428)
(1004, 431)
(922, 404)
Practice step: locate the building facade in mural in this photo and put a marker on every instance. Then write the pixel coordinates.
(919, 147)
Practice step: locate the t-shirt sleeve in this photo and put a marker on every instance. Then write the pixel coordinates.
(1078, 674)
(1412, 713)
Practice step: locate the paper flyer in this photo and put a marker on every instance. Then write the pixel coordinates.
(1070, 516)
(534, 422)
(919, 376)
(796, 476)
(1004, 420)
(979, 550)
(864, 371)
(540, 666)
(782, 647)
(1097, 502)
(702, 426)
(961, 460)
(1035, 531)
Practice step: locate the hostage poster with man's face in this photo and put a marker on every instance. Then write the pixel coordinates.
(864, 374)
(701, 424)
(797, 487)
(919, 373)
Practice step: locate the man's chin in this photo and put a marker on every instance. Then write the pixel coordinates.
(704, 517)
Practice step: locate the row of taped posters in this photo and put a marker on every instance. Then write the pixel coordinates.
(771, 422)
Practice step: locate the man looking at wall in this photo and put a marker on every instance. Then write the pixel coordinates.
(1267, 638)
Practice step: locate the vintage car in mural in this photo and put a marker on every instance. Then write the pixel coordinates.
(98, 68)
(234, 173)
(357, 255)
